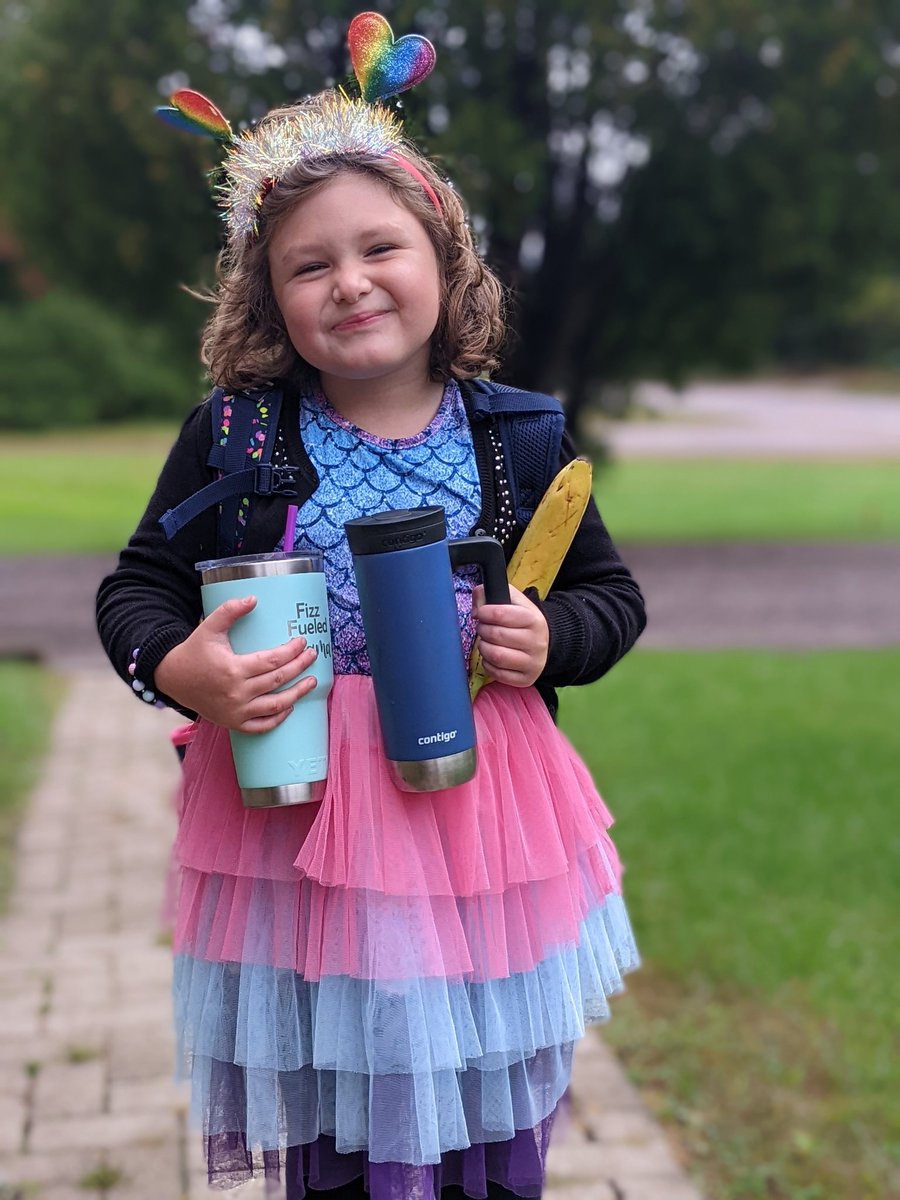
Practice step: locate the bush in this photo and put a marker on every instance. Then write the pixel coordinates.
(68, 360)
(874, 321)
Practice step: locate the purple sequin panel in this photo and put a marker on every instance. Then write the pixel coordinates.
(360, 475)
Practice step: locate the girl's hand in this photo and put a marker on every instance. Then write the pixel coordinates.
(236, 691)
(513, 638)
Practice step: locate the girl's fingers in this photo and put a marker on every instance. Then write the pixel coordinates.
(514, 639)
(271, 705)
(221, 619)
(506, 616)
(277, 661)
(524, 638)
(514, 613)
(270, 681)
(516, 670)
(506, 658)
(264, 724)
(511, 678)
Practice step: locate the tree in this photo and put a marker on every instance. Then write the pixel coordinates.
(666, 184)
(101, 198)
(699, 183)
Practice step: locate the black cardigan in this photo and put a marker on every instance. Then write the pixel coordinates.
(151, 601)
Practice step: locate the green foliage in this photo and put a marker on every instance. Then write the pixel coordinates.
(73, 361)
(710, 181)
(79, 1053)
(754, 800)
(667, 186)
(102, 1178)
(101, 481)
(873, 319)
(25, 711)
(647, 500)
(103, 199)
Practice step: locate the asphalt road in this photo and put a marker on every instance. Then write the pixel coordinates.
(801, 596)
(767, 419)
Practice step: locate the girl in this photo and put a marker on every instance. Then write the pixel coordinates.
(377, 994)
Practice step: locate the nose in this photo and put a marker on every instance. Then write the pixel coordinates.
(350, 282)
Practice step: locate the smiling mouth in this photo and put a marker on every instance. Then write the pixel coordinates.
(360, 321)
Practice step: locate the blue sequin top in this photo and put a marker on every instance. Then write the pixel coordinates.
(359, 475)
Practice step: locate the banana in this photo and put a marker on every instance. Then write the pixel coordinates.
(544, 544)
(546, 541)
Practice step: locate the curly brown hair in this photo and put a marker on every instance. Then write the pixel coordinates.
(245, 343)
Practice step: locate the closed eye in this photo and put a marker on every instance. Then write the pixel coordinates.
(310, 268)
(382, 248)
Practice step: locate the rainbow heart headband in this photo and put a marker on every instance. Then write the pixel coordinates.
(257, 159)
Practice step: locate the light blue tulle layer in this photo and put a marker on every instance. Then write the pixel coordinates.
(411, 1119)
(462, 1062)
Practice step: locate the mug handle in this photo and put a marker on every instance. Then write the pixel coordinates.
(487, 553)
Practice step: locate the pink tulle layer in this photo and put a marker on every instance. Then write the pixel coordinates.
(475, 882)
(530, 808)
(318, 931)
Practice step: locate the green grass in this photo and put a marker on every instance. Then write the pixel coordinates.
(756, 798)
(26, 707)
(85, 491)
(79, 492)
(662, 500)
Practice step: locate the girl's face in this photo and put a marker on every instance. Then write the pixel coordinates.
(357, 281)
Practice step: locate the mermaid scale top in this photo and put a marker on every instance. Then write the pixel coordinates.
(361, 474)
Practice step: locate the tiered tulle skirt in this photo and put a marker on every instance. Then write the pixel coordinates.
(388, 984)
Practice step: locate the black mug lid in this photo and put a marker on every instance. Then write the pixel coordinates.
(399, 529)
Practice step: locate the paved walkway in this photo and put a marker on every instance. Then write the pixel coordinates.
(87, 1103)
(757, 419)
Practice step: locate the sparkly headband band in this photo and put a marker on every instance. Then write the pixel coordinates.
(257, 159)
(413, 170)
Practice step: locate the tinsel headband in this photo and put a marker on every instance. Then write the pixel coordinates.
(258, 158)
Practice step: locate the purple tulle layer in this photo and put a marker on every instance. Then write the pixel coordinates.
(517, 1165)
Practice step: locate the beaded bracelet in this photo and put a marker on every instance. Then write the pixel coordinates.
(140, 688)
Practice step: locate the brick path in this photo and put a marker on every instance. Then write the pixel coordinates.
(88, 1108)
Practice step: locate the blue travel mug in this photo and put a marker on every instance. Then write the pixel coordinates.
(403, 564)
(288, 764)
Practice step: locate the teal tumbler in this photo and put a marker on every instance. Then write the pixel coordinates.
(288, 764)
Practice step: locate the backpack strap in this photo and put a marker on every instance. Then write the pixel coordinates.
(531, 426)
(244, 426)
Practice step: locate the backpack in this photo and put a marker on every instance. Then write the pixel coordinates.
(244, 426)
(531, 426)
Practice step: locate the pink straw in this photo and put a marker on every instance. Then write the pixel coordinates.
(290, 528)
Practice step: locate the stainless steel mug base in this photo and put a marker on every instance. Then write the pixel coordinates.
(434, 774)
(283, 796)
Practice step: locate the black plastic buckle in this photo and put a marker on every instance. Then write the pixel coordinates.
(275, 481)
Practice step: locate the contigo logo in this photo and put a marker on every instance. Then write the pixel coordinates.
(446, 735)
(404, 539)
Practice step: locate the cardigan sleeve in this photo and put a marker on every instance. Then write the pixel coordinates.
(594, 610)
(150, 603)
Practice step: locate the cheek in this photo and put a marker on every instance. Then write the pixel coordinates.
(440, 299)
(301, 335)
(432, 300)
(296, 313)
